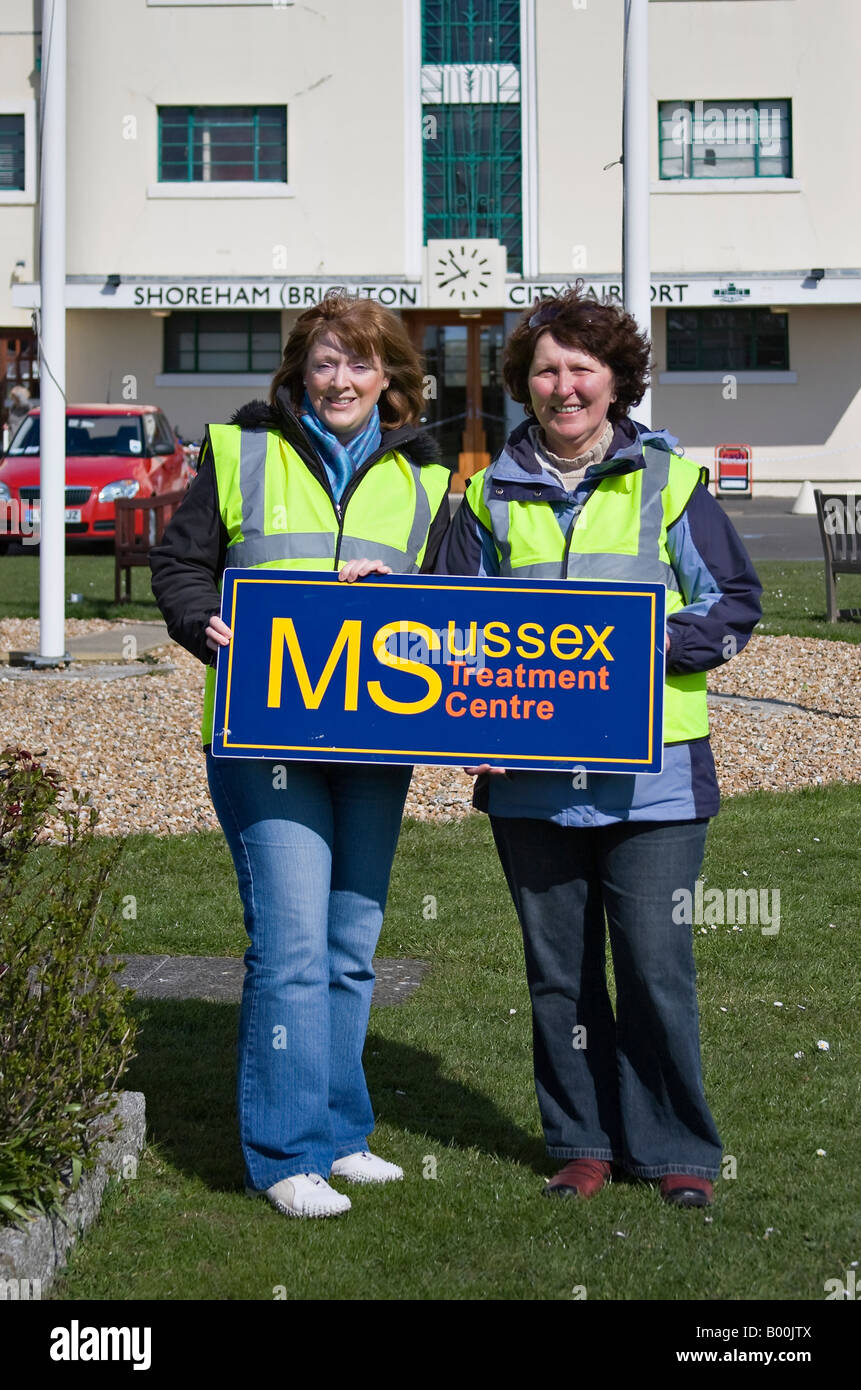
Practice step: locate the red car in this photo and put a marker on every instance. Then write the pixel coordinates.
(111, 451)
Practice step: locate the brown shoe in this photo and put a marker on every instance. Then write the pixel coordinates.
(582, 1177)
(683, 1190)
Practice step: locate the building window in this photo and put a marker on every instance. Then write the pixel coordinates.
(12, 164)
(727, 340)
(472, 144)
(222, 342)
(473, 177)
(725, 139)
(222, 144)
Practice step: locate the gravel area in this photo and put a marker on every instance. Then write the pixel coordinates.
(134, 744)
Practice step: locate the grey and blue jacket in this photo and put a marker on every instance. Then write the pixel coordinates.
(721, 592)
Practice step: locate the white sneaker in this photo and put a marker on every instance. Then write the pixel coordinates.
(366, 1167)
(305, 1194)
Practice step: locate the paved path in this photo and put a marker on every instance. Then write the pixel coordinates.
(119, 643)
(219, 978)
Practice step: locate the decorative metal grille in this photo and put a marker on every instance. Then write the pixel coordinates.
(478, 31)
(471, 122)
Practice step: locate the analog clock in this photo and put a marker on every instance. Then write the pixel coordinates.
(465, 273)
(461, 275)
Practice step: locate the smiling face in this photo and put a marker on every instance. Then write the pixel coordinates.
(343, 386)
(570, 393)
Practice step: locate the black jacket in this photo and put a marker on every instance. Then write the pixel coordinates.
(188, 564)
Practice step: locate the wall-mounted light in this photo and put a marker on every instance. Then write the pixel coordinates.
(816, 275)
(112, 284)
(161, 313)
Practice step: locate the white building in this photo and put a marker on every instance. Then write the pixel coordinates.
(228, 160)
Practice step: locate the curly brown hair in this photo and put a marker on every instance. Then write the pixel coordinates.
(605, 331)
(365, 327)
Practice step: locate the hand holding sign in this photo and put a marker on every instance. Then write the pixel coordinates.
(218, 634)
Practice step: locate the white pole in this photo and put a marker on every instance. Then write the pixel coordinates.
(636, 277)
(52, 336)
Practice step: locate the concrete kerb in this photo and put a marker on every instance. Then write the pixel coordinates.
(219, 978)
(31, 1258)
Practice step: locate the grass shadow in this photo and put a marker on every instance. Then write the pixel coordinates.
(186, 1068)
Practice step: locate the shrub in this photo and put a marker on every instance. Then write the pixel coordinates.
(64, 1038)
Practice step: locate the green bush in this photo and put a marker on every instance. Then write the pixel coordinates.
(64, 1038)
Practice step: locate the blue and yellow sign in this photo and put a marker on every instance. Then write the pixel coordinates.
(432, 669)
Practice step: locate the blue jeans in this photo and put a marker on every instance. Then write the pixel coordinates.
(626, 1088)
(312, 844)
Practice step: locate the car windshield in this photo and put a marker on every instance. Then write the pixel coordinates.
(86, 436)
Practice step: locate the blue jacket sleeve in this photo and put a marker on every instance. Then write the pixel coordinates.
(719, 585)
(468, 547)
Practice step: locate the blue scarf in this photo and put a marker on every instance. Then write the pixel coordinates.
(341, 460)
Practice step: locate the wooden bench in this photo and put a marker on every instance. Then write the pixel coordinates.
(839, 516)
(131, 549)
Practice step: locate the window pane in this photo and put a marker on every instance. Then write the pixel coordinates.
(266, 349)
(173, 131)
(482, 31)
(179, 335)
(772, 340)
(11, 153)
(681, 340)
(208, 144)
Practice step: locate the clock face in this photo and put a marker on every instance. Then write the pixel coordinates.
(462, 274)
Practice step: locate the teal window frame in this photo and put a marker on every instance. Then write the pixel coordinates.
(473, 178)
(473, 167)
(667, 109)
(251, 322)
(712, 322)
(182, 128)
(471, 31)
(12, 144)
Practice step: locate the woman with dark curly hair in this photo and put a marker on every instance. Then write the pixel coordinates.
(331, 473)
(582, 491)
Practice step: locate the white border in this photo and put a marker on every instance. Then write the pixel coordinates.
(413, 153)
(186, 4)
(211, 379)
(220, 190)
(775, 378)
(27, 194)
(529, 138)
(725, 186)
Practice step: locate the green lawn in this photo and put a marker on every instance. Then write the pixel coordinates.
(793, 602)
(450, 1075)
(90, 575)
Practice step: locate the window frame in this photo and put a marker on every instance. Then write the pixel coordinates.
(220, 188)
(27, 194)
(699, 369)
(756, 178)
(179, 374)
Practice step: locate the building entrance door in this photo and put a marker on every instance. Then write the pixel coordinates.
(465, 402)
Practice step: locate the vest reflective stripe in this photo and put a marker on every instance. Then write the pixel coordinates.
(263, 483)
(292, 545)
(659, 493)
(252, 482)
